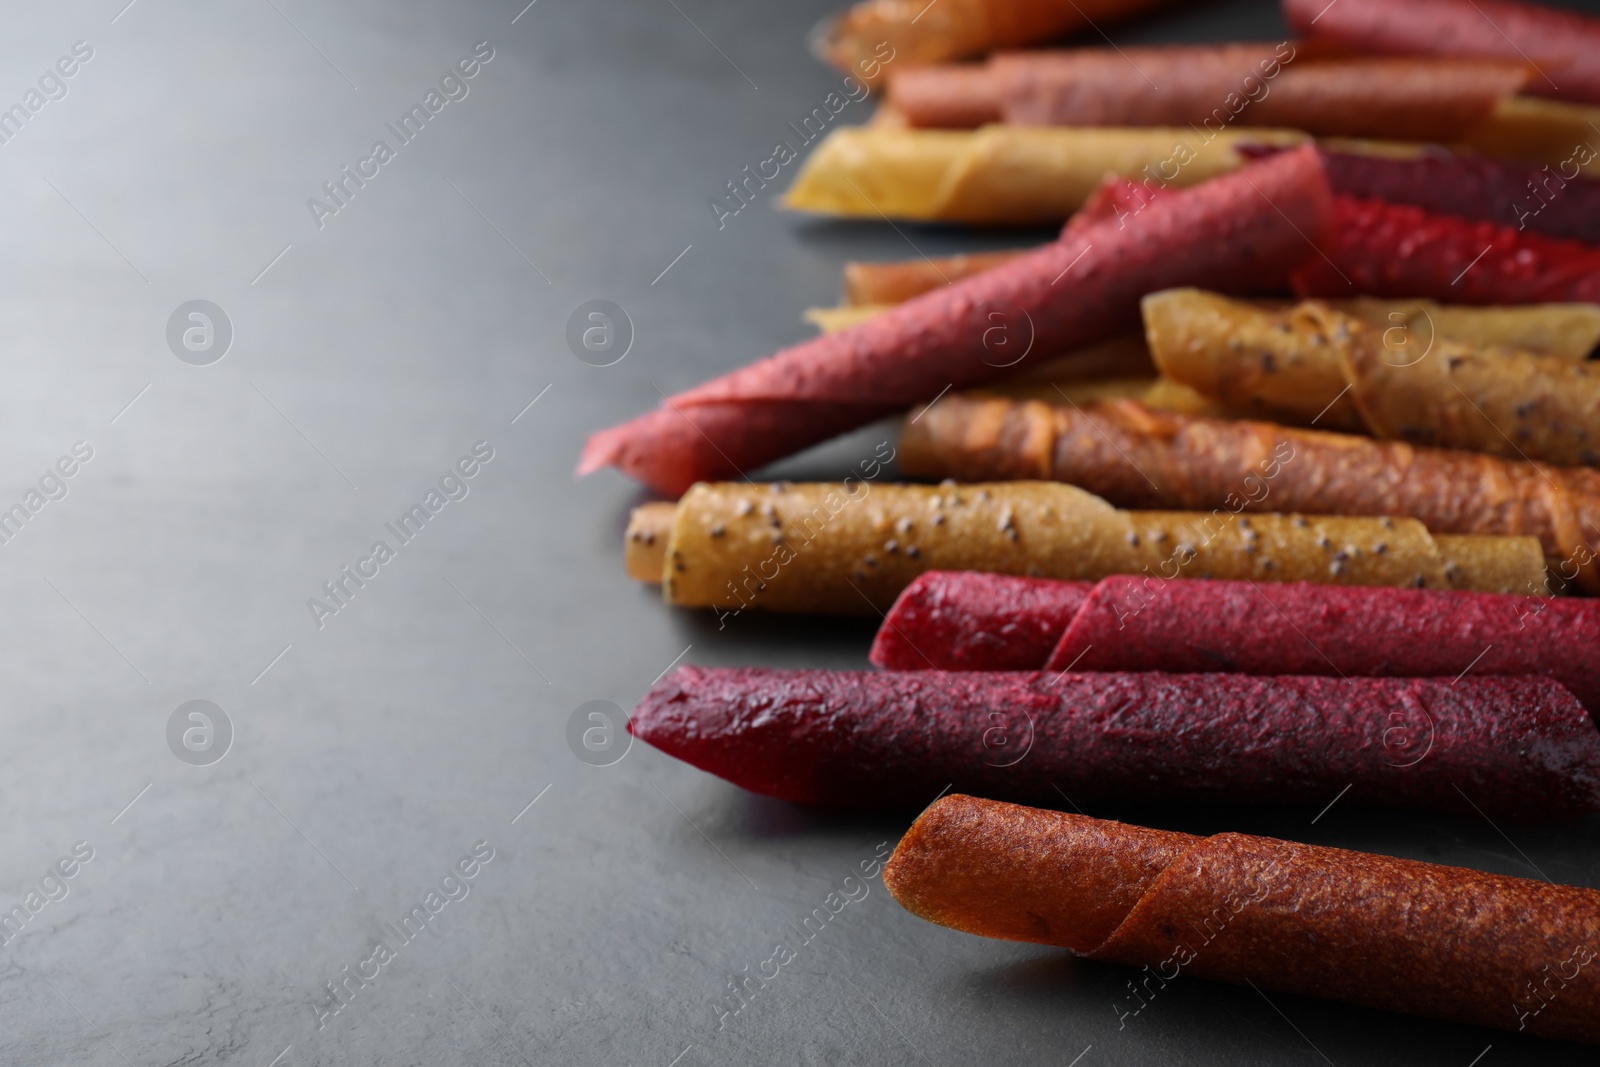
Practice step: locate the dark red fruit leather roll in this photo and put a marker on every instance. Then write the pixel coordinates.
(967, 621)
(1401, 935)
(1381, 249)
(1242, 232)
(1519, 748)
(1519, 195)
(1564, 46)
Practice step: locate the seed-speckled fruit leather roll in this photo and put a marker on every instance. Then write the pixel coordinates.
(1401, 935)
(1311, 364)
(1519, 748)
(970, 621)
(1410, 99)
(987, 622)
(842, 548)
(1136, 457)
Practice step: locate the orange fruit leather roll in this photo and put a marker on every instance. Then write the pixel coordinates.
(913, 32)
(1402, 935)
(1136, 457)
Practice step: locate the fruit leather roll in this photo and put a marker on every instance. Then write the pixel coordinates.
(1522, 748)
(1539, 131)
(1381, 249)
(1311, 364)
(977, 329)
(1562, 46)
(1559, 329)
(897, 282)
(877, 34)
(1401, 935)
(1004, 174)
(843, 548)
(1215, 86)
(1137, 457)
(960, 621)
(1555, 200)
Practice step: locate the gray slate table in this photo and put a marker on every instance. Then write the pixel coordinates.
(198, 883)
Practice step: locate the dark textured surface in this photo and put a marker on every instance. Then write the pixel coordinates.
(606, 927)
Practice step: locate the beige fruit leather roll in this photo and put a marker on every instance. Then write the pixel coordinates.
(850, 548)
(1003, 174)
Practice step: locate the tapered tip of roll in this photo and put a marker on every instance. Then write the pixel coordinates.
(666, 720)
(689, 714)
(912, 874)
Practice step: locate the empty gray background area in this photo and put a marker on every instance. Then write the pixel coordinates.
(370, 755)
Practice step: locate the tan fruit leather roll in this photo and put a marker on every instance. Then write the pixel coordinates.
(1532, 130)
(1402, 935)
(1311, 364)
(1137, 457)
(920, 32)
(1002, 174)
(838, 548)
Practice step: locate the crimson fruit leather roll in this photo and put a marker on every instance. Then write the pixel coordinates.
(1402, 935)
(986, 622)
(1518, 748)
(1547, 200)
(1562, 46)
(1381, 249)
(1241, 232)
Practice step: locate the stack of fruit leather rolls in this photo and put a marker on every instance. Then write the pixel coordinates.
(850, 548)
